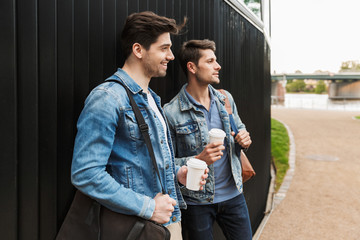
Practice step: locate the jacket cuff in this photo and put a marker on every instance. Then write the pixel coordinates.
(148, 208)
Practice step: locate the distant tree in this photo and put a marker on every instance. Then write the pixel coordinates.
(296, 86)
(350, 66)
(251, 1)
(298, 71)
(321, 71)
(254, 5)
(309, 88)
(320, 87)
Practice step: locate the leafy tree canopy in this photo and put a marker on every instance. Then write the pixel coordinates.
(254, 5)
(350, 66)
(251, 1)
(320, 87)
(321, 71)
(296, 86)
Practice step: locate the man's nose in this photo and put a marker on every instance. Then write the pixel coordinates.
(218, 67)
(170, 56)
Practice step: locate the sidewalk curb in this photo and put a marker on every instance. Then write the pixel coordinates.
(276, 198)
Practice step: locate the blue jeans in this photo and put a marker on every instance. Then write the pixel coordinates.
(231, 215)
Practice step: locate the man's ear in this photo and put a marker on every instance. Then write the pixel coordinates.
(191, 67)
(137, 50)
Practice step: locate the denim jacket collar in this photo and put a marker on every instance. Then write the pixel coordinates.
(133, 86)
(186, 104)
(128, 81)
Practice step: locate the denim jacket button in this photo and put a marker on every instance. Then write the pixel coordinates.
(169, 192)
(167, 166)
(174, 219)
(162, 141)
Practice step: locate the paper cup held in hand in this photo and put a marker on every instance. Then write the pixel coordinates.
(216, 135)
(196, 169)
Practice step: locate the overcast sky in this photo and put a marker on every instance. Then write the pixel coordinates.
(310, 35)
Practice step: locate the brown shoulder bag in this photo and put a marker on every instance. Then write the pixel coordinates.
(247, 170)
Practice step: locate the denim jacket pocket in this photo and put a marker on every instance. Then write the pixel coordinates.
(188, 137)
(133, 128)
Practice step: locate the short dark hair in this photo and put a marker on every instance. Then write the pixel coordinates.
(145, 28)
(189, 51)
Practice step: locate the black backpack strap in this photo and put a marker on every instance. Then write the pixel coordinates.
(144, 128)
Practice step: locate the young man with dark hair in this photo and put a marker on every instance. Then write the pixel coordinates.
(111, 162)
(196, 109)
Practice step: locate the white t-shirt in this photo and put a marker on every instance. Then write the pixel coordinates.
(154, 107)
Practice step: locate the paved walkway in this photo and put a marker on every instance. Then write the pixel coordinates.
(323, 199)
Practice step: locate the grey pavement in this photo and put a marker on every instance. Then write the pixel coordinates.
(320, 197)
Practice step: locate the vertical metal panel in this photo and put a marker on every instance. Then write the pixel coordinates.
(161, 7)
(143, 5)
(153, 5)
(8, 126)
(65, 102)
(133, 6)
(121, 13)
(96, 42)
(28, 166)
(109, 37)
(81, 53)
(47, 119)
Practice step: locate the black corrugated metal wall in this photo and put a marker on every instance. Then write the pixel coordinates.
(54, 52)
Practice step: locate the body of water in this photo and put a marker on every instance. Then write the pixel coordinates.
(318, 101)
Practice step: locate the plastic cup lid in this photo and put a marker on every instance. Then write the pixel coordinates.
(196, 163)
(216, 132)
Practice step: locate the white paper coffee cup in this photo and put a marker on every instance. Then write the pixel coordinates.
(196, 169)
(216, 135)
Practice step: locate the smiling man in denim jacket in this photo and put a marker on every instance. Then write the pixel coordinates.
(111, 162)
(196, 109)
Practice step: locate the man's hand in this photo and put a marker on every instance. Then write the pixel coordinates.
(243, 138)
(164, 206)
(211, 153)
(182, 173)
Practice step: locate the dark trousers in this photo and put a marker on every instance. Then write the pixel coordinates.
(231, 215)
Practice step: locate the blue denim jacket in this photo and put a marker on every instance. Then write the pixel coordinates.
(189, 134)
(111, 162)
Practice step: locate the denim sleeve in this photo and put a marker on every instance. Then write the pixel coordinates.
(238, 122)
(97, 126)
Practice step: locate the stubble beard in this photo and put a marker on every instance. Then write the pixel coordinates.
(211, 80)
(151, 69)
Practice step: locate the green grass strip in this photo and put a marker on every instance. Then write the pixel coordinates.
(279, 151)
(357, 117)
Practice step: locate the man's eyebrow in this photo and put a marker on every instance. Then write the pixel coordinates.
(165, 45)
